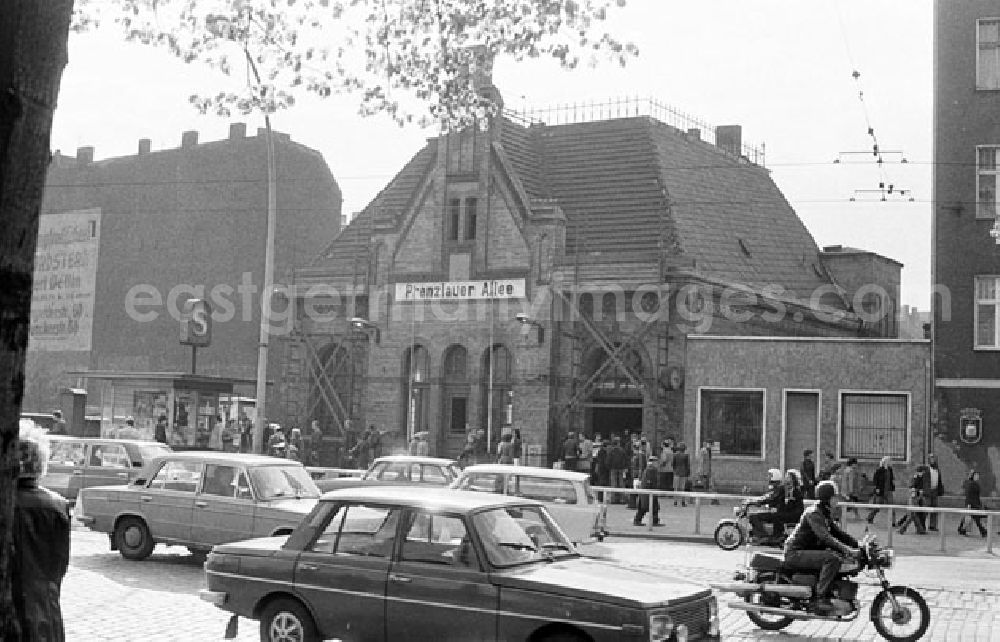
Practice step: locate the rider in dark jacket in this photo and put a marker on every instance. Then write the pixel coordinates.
(819, 544)
(774, 499)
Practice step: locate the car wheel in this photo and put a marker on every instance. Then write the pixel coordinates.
(134, 540)
(286, 620)
(564, 636)
(199, 555)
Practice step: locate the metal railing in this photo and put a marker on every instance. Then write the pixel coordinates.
(626, 107)
(891, 510)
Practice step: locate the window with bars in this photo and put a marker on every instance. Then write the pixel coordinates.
(988, 53)
(986, 181)
(734, 419)
(987, 306)
(874, 425)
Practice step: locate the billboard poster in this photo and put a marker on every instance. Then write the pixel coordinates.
(62, 297)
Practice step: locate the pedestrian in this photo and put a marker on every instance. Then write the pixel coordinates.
(617, 465)
(374, 440)
(276, 441)
(517, 447)
(704, 463)
(808, 470)
(665, 465)
(570, 451)
(933, 489)
(972, 500)
(58, 423)
(586, 454)
(682, 470)
(884, 484)
(828, 468)
(600, 475)
(645, 501)
(40, 542)
(160, 431)
(849, 484)
(246, 433)
(295, 439)
(228, 436)
(505, 449)
(917, 484)
(315, 443)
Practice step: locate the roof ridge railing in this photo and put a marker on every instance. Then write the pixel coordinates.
(626, 107)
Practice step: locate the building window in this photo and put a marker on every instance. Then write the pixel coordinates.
(416, 390)
(471, 207)
(454, 218)
(987, 305)
(456, 389)
(733, 419)
(986, 181)
(988, 53)
(873, 425)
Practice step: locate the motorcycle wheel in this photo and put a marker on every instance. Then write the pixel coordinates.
(728, 536)
(906, 624)
(767, 621)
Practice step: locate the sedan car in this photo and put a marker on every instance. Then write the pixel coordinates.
(198, 500)
(567, 494)
(81, 462)
(427, 564)
(399, 470)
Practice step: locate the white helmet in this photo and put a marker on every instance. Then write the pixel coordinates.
(774, 475)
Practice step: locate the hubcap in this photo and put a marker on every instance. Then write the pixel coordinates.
(901, 616)
(285, 627)
(133, 537)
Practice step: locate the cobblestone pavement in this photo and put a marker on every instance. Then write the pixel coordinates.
(108, 598)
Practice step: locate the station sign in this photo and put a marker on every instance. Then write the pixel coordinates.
(487, 289)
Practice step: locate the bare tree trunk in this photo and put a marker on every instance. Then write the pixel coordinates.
(33, 39)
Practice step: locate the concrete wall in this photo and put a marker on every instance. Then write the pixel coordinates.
(830, 366)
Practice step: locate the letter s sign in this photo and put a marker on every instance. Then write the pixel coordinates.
(196, 323)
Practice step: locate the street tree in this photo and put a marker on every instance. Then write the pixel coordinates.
(414, 60)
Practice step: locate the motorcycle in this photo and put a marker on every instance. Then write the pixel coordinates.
(774, 596)
(733, 532)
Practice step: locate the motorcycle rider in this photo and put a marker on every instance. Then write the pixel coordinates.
(774, 498)
(818, 543)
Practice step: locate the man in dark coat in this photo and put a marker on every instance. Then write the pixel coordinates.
(41, 532)
(933, 488)
(885, 484)
(808, 470)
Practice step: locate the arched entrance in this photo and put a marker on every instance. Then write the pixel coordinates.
(334, 388)
(615, 405)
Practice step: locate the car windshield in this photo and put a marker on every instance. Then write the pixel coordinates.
(515, 535)
(273, 482)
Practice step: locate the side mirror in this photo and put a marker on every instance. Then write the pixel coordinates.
(139, 481)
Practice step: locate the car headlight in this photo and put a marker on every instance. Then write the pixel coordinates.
(661, 626)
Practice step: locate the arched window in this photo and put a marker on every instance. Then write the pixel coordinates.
(585, 304)
(609, 307)
(416, 390)
(497, 390)
(456, 389)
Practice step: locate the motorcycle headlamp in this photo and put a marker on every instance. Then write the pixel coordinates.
(661, 626)
(885, 558)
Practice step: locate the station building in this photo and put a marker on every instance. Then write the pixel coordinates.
(612, 270)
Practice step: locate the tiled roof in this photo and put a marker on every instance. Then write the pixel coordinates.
(352, 243)
(635, 188)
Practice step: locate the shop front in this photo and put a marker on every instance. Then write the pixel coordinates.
(189, 411)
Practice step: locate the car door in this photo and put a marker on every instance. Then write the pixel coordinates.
(223, 506)
(437, 589)
(66, 464)
(167, 501)
(108, 464)
(342, 574)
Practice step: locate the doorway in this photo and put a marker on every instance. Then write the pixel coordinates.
(801, 429)
(614, 419)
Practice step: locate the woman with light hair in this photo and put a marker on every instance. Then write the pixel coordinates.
(41, 541)
(885, 484)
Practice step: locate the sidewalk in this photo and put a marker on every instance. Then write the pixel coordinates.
(679, 525)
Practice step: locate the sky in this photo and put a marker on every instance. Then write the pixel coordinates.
(783, 69)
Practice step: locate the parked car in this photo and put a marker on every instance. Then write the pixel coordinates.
(398, 470)
(435, 564)
(567, 494)
(82, 462)
(198, 500)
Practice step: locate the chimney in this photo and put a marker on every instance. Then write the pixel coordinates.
(480, 67)
(694, 133)
(84, 155)
(730, 138)
(237, 131)
(189, 139)
(144, 146)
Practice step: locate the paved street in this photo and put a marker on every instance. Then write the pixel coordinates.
(108, 598)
